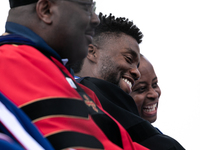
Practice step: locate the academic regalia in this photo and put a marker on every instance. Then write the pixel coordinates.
(35, 80)
(122, 107)
(16, 130)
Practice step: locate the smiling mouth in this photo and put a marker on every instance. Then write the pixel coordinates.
(150, 108)
(128, 82)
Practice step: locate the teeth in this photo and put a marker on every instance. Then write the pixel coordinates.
(128, 82)
(150, 108)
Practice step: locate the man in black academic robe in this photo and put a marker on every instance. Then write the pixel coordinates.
(110, 70)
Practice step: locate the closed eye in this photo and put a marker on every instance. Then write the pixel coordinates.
(155, 82)
(130, 55)
(140, 90)
(155, 85)
(129, 59)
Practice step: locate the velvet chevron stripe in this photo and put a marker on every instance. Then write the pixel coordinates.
(74, 139)
(56, 106)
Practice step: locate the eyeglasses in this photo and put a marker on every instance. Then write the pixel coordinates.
(91, 6)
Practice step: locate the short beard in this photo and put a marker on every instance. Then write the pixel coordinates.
(112, 79)
(107, 73)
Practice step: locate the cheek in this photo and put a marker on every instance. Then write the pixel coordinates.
(124, 66)
(79, 25)
(158, 91)
(84, 22)
(139, 103)
(139, 100)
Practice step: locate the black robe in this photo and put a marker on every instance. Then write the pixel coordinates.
(122, 107)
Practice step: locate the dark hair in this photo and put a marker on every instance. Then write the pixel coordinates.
(110, 25)
(16, 3)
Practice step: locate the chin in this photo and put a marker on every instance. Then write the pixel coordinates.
(152, 120)
(122, 87)
(80, 56)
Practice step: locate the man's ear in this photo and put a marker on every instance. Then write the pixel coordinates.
(92, 53)
(44, 12)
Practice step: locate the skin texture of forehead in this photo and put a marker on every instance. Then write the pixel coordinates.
(109, 39)
(145, 66)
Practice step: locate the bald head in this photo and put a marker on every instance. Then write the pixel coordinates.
(61, 24)
(29, 15)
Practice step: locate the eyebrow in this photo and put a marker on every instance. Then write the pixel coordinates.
(155, 78)
(132, 52)
(140, 83)
(143, 82)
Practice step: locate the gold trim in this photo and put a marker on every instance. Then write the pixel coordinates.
(52, 133)
(6, 33)
(59, 116)
(46, 98)
(84, 148)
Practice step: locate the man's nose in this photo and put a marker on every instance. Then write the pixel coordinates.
(95, 20)
(135, 73)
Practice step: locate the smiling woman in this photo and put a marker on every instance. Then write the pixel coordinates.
(146, 92)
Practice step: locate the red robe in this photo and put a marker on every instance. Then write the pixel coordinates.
(35, 83)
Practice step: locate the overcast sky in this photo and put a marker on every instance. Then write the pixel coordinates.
(171, 31)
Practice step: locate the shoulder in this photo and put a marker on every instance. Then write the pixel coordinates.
(25, 67)
(20, 53)
(91, 94)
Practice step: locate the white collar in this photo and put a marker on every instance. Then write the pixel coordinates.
(65, 60)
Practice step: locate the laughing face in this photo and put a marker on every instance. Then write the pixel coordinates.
(118, 62)
(146, 91)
